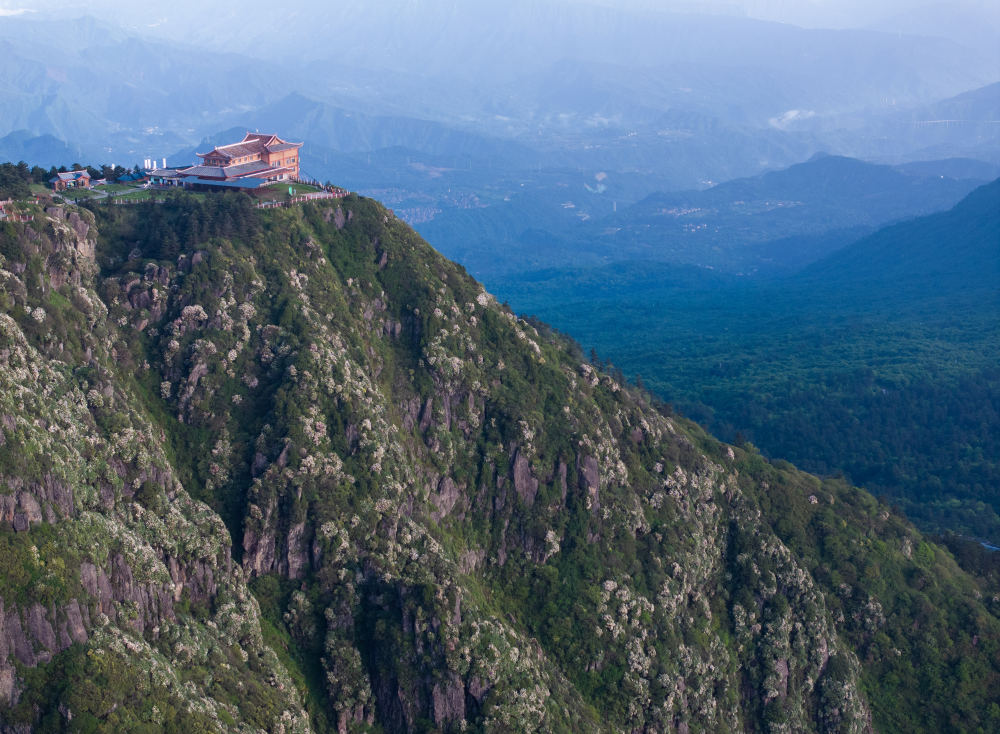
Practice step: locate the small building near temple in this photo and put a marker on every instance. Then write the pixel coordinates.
(165, 177)
(140, 175)
(70, 180)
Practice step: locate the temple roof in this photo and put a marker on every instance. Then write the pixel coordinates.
(210, 171)
(254, 168)
(277, 148)
(253, 143)
(265, 138)
(246, 169)
(69, 176)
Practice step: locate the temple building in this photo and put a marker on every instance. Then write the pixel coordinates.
(255, 161)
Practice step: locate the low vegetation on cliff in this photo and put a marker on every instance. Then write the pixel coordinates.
(292, 470)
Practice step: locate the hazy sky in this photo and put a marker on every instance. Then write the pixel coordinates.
(316, 26)
(511, 67)
(821, 13)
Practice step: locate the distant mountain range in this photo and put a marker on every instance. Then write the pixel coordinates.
(594, 87)
(732, 224)
(42, 150)
(966, 125)
(972, 24)
(952, 252)
(115, 96)
(771, 223)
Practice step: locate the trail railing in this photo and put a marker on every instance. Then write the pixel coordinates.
(303, 198)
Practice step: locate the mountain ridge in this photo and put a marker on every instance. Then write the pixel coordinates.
(770, 224)
(908, 254)
(448, 518)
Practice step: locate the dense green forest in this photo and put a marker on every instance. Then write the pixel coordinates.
(16, 178)
(878, 363)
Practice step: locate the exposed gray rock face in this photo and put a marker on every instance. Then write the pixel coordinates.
(448, 701)
(259, 546)
(525, 483)
(590, 481)
(13, 639)
(445, 498)
(339, 218)
(426, 415)
(40, 629)
(33, 636)
(33, 503)
(297, 555)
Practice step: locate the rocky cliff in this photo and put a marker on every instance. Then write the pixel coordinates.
(292, 469)
(118, 590)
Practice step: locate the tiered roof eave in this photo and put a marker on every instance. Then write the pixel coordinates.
(251, 143)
